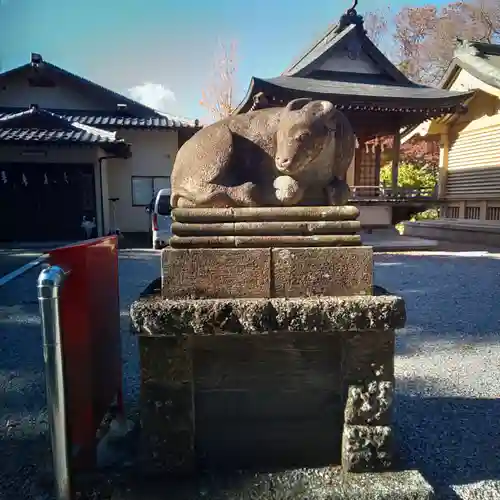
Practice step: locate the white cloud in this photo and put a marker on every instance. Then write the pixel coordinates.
(154, 95)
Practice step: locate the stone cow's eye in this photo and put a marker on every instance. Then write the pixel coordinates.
(303, 136)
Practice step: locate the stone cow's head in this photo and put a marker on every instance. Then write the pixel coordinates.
(306, 127)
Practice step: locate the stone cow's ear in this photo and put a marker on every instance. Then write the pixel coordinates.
(324, 109)
(297, 104)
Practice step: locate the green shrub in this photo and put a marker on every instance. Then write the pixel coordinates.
(411, 176)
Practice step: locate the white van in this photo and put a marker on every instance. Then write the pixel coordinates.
(160, 219)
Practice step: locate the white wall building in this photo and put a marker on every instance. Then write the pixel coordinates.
(68, 146)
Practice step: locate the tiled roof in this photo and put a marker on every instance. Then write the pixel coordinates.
(387, 90)
(38, 135)
(137, 116)
(482, 60)
(350, 27)
(410, 95)
(40, 126)
(43, 137)
(111, 120)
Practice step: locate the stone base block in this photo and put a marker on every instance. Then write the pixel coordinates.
(270, 381)
(365, 323)
(327, 483)
(305, 272)
(218, 273)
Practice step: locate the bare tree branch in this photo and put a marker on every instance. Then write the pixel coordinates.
(426, 36)
(218, 98)
(376, 24)
(414, 25)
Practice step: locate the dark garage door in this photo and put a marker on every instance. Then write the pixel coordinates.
(45, 202)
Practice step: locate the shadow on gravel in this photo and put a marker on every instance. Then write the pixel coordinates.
(449, 299)
(451, 440)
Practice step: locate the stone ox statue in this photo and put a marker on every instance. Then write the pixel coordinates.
(296, 155)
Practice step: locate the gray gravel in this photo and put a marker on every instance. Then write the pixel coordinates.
(447, 365)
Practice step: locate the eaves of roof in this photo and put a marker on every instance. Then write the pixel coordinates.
(141, 116)
(105, 119)
(476, 70)
(35, 126)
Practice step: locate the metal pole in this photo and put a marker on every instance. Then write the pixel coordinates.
(50, 281)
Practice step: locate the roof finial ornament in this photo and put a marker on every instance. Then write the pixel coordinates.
(464, 46)
(352, 10)
(350, 17)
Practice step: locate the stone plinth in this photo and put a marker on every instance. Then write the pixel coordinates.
(279, 382)
(266, 252)
(265, 227)
(266, 272)
(265, 346)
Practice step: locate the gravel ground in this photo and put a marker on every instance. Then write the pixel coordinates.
(448, 359)
(447, 362)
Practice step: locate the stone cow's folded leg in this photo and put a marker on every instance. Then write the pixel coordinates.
(338, 192)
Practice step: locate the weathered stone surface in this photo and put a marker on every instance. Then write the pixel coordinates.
(264, 214)
(305, 213)
(275, 399)
(338, 240)
(202, 215)
(166, 360)
(215, 273)
(298, 153)
(367, 448)
(321, 240)
(370, 404)
(205, 229)
(167, 404)
(201, 242)
(368, 356)
(316, 346)
(285, 228)
(304, 272)
(370, 319)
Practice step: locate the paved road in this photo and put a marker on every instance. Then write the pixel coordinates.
(11, 259)
(448, 360)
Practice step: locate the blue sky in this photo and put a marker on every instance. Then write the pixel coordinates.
(164, 49)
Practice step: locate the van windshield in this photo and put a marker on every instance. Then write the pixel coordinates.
(164, 207)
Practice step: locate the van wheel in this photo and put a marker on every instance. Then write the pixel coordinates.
(157, 245)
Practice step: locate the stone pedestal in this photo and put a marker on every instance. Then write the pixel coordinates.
(268, 381)
(266, 347)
